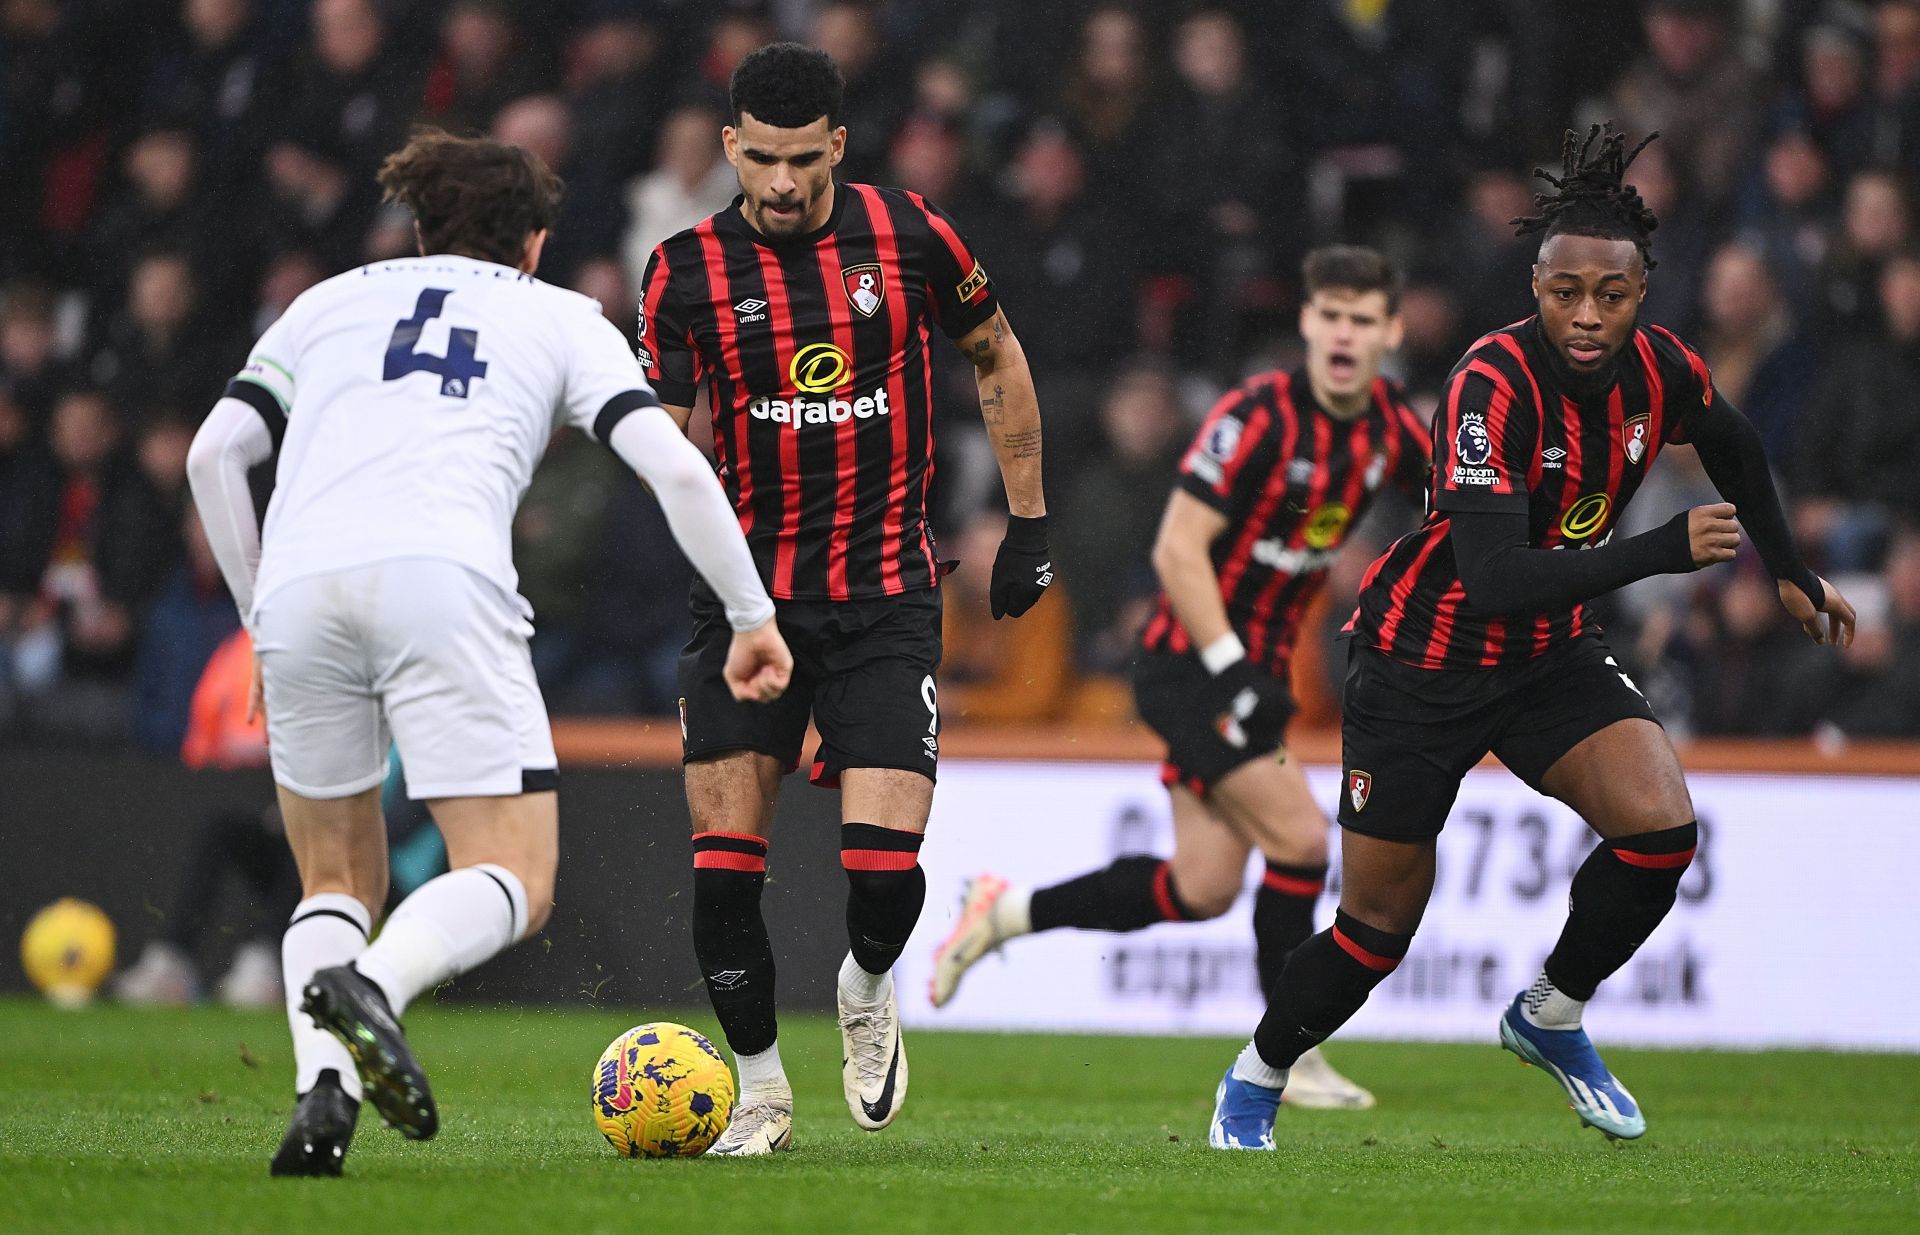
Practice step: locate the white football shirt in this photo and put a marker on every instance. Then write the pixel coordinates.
(419, 395)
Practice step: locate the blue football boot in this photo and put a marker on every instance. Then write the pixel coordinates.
(1242, 1114)
(1601, 1101)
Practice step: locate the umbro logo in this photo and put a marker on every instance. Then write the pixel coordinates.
(727, 979)
(1553, 456)
(751, 310)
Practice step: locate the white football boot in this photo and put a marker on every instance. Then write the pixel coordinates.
(873, 1060)
(760, 1126)
(1312, 1083)
(254, 980)
(978, 932)
(163, 977)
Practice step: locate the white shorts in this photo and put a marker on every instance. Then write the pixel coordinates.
(427, 647)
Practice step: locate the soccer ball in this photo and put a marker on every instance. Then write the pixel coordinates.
(67, 951)
(661, 1090)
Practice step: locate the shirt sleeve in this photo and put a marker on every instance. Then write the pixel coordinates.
(602, 382)
(1217, 467)
(1691, 395)
(266, 383)
(958, 288)
(1416, 453)
(667, 353)
(1482, 436)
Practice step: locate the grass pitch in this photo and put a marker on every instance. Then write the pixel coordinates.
(120, 1121)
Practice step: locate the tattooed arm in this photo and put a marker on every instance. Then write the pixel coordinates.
(1011, 411)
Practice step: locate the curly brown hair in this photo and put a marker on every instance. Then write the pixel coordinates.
(470, 195)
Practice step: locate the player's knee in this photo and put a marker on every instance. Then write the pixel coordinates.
(1394, 909)
(1202, 890)
(1304, 848)
(1650, 818)
(1211, 898)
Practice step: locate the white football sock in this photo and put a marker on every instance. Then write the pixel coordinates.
(1548, 1007)
(1012, 914)
(327, 929)
(869, 990)
(1250, 1067)
(448, 926)
(761, 1076)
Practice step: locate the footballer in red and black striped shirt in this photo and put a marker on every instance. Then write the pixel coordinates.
(1280, 471)
(1472, 637)
(1512, 436)
(805, 311)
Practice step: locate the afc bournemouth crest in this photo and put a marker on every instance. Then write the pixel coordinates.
(1634, 436)
(866, 288)
(1359, 786)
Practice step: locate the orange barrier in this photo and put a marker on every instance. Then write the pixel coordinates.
(655, 743)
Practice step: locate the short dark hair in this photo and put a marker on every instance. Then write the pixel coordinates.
(472, 195)
(1350, 268)
(1590, 195)
(787, 85)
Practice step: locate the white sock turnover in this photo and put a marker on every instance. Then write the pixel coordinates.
(861, 987)
(1549, 1007)
(448, 926)
(1250, 1067)
(1013, 913)
(762, 1076)
(326, 929)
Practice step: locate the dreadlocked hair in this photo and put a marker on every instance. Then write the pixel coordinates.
(471, 195)
(1589, 198)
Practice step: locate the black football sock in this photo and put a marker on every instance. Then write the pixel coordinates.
(1283, 916)
(885, 890)
(1620, 893)
(1325, 982)
(1132, 894)
(730, 937)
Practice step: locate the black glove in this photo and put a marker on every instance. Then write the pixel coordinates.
(1250, 706)
(1022, 569)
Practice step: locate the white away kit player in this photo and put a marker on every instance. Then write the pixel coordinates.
(410, 401)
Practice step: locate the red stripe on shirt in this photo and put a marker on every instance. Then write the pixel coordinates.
(886, 245)
(730, 431)
(962, 256)
(1656, 388)
(781, 336)
(1403, 586)
(845, 458)
(1267, 607)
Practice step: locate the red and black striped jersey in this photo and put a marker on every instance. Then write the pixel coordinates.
(1291, 479)
(1512, 436)
(814, 353)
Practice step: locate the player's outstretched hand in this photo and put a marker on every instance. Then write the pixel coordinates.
(759, 666)
(1022, 569)
(1712, 534)
(1839, 630)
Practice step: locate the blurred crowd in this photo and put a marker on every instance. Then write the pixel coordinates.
(1141, 180)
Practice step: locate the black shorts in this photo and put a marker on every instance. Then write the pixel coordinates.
(862, 670)
(1408, 735)
(1170, 692)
